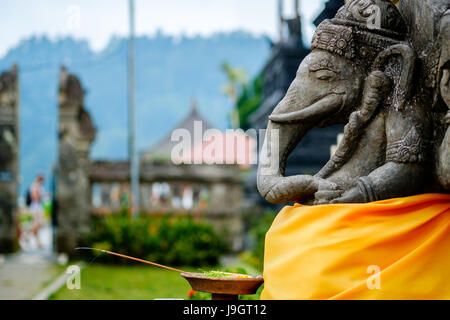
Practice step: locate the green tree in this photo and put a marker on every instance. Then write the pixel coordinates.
(249, 100)
(245, 95)
(236, 80)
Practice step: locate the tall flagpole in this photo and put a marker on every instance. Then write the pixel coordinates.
(132, 155)
(281, 20)
(297, 8)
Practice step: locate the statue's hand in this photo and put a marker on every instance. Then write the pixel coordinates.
(326, 192)
(353, 195)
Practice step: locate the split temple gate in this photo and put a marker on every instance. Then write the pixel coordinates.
(9, 159)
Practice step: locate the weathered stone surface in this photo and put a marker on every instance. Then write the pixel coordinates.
(376, 73)
(443, 87)
(76, 134)
(9, 158)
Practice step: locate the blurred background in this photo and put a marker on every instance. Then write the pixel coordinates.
(73, 75)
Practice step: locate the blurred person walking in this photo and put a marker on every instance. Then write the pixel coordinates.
(34, 200)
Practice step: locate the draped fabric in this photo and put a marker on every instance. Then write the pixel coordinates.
(391, 249)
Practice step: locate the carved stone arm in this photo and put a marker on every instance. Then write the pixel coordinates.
(391, 180)
(407, 156)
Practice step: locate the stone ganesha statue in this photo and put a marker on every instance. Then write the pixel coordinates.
(361, 72)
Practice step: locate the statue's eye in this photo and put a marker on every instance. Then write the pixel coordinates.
(325, 74)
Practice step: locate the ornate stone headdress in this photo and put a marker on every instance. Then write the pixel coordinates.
(361, 30)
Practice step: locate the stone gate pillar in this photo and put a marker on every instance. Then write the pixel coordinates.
(9, 159)
(76, 134)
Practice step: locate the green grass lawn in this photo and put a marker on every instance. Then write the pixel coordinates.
(113, 282)
(109, 282)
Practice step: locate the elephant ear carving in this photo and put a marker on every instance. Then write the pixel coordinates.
(397, 62)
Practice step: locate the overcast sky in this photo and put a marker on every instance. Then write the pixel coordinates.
(98, 20)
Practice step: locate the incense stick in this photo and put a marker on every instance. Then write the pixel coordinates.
(135, 259)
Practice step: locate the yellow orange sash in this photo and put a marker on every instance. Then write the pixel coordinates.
(391, 249)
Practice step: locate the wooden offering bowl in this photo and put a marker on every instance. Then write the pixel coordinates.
(223, 288)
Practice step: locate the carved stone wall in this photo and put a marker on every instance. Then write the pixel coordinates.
(76, 134)
(214, 193)
(9, 158)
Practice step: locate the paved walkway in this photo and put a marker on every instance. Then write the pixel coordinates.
(24, 274)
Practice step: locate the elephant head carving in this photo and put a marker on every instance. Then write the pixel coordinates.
(361, 75)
